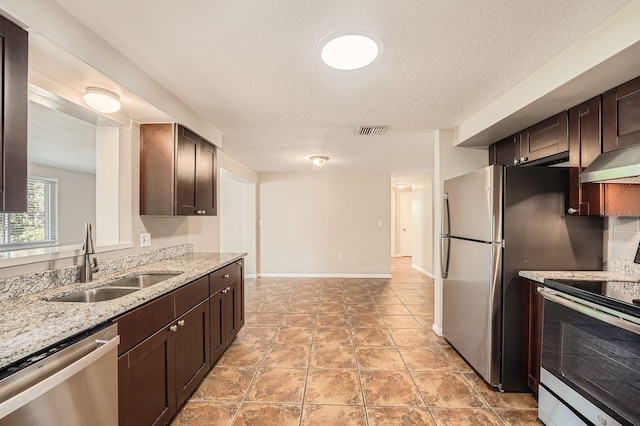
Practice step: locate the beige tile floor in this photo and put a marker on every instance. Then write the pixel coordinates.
(347, 352)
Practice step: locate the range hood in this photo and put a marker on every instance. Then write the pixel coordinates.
(619, 166)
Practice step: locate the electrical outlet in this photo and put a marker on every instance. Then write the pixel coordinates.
(261, 222)
(340, 257)
(145, 239)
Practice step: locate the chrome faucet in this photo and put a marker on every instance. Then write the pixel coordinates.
(86, 273)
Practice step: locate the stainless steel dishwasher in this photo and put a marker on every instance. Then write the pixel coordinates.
(74, 383)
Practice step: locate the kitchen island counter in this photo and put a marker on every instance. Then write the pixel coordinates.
(34, 322)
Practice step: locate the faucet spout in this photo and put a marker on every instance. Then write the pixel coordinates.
(86, 273)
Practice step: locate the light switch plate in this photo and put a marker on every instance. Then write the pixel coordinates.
(145, 239)
(379, 224)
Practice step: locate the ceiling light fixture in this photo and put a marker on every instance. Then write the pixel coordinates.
(102, 100)
(403, 186)
(319, 160)
(350, 51)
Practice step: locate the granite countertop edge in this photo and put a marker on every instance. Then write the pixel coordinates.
(32, 322)
(540, 276)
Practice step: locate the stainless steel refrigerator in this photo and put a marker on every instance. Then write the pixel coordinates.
(497, 221)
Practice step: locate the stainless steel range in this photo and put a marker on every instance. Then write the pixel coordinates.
(590, 353)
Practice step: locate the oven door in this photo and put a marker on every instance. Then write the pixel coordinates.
(590, 359)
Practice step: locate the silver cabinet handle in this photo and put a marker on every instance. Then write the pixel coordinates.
(224, 290)
(228, 288)
(523, 159)
(225, 276)
(181, 323)
(515, 161)
(572, 211)
(173, 328)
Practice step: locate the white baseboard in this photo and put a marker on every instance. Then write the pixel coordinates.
(419, 269)
(250, 276)
(437, 330)
(282, 275)
(396, 255)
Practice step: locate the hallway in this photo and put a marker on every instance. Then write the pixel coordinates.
(347, 352)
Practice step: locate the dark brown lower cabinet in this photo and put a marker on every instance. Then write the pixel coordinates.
(146, 381)
(192, 350)
(157, 374)
(227, 316)
(531, 336)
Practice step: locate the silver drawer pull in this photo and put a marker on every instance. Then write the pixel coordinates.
(225, 276)
(173, 328)
(181, 323)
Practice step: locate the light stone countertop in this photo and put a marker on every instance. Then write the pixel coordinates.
(31, 323)
(540, 276)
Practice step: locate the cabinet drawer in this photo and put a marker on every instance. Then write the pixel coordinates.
(223, 277)
(191, 294)
(137, 325)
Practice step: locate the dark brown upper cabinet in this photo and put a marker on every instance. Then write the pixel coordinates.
(544, 140)
(621, 116)
(585, 144)
(178, 172)
(14, 49)
(506, 151)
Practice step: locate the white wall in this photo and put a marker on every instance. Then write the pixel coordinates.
(76, 200)
(450, 161)
(310, 218)
(422, 238)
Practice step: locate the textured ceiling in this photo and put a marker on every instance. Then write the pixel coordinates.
(253, 69)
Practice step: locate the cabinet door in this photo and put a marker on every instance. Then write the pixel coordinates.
(621, 116)
(240, 298)
(187, 146)
(192, 350)
(544, 139)
(14, 51)
(585, 146)
(231, 314)
(216, 325)
(206, 179)
(532, 303)
(506, 151)
(146, 381)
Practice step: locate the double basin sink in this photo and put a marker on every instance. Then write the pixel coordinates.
(115, 289)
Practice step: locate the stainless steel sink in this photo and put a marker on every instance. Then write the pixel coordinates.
(115, 289)
(141, 281)
(99, 294)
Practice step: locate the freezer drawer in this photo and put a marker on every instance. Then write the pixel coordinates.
(471, 305)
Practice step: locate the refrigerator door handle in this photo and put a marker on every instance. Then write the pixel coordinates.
(444, 237)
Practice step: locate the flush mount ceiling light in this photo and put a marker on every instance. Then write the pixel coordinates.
(319, 160)
(403, 186)
(350, 51)
(101, 100)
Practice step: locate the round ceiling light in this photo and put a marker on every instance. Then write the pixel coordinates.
(319, 160)
(350, 52)
(102, 100)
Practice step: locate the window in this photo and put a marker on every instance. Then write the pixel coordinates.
(39, 225)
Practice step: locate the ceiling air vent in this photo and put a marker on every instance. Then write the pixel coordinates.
(371, 130)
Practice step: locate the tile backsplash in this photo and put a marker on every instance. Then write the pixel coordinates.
(624, 235)
(622, 243)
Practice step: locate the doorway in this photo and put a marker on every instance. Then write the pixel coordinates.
(238, 218)
(406, 220)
